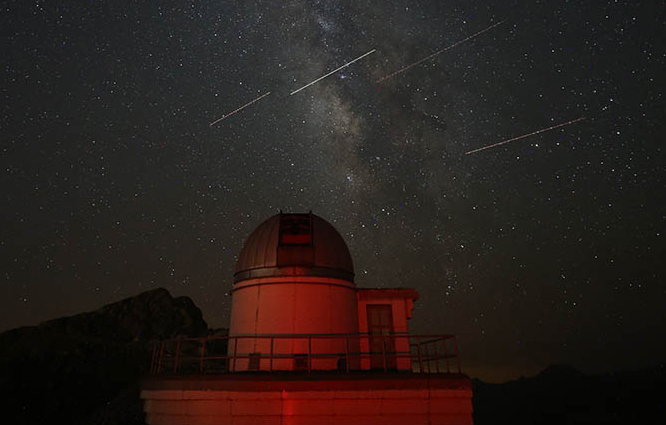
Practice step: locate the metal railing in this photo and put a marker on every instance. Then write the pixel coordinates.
(349, 353)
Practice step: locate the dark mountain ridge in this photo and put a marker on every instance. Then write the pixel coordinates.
(89, 365)
(87, 369)
(561, 394)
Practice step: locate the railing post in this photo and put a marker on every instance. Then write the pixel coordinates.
(159, 361)
(347, 353)
(436, 357)
(446, 356)
(418, 341)
(384, 351)
(309, 354)
(203, 353)
(427, 355)
(227, 358)
(152, 358)
(270, 367)
(455, 345)
(235, 353)
(175, 362)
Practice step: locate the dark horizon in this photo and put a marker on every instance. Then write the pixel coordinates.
(545, 250)
(481, 372)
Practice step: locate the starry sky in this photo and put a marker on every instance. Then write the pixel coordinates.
(549, 249)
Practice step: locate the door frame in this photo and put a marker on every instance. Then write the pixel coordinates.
(376, 352)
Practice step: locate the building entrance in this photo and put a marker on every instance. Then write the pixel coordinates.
(382, 347)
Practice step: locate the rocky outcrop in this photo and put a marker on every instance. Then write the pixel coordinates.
(73, 369)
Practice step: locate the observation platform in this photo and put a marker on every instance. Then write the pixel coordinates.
(207, 381)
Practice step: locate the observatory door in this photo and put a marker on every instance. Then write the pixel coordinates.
(382, 344)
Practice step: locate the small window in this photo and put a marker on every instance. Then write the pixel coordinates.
(255, 359)
(295, 230)
(300, 362)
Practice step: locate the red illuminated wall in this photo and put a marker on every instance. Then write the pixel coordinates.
(293, 305)
(401, 302)
(366, 399)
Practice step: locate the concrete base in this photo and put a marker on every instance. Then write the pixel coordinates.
(309, 399)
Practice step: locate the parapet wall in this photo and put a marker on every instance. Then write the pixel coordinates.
(396, 399)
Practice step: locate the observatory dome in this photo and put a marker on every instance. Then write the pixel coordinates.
(294, 245)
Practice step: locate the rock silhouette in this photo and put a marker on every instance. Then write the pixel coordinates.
(87, 368)
(561, 395)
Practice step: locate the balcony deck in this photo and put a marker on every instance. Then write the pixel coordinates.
(342, 353)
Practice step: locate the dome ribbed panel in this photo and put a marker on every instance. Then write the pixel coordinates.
(261, 247)
(330, 249)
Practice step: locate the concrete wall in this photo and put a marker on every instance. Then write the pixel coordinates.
(402, 303)
(348, 406)
(292, 305)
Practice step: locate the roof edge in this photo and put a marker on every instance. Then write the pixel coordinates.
(293, 271)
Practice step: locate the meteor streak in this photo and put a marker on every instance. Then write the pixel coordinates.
(543, 130)
(439, 51)
(332, 72)
(224, 117)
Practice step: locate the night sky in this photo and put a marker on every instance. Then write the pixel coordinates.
(548, 249)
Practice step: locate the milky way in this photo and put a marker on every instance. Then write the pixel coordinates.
(548, 250)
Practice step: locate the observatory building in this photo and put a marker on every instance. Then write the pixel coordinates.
(306, 346)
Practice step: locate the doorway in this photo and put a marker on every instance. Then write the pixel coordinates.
(381, 342)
